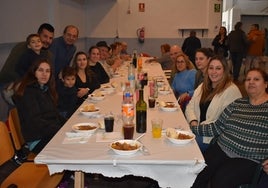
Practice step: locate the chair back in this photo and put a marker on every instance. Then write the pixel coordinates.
(15, 129)
(7, 150)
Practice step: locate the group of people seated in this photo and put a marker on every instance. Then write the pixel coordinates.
(51, 80)
(46, 79)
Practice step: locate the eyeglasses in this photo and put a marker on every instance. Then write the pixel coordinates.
(180, 62)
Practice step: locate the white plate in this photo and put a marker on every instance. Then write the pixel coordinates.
(181, 141)
(126, 152)
(77, 127)
(90, 113)
(96, 97)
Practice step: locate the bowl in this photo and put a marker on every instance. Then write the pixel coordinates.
(96, 97)
(168, 106)
(164, 91)
(108, 88)
(88, 127)
(89, 113)
(180, 137)
(125, 147)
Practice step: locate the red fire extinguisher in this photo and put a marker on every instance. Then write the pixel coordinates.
(141, 34)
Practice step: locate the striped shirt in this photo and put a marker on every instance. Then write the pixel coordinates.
(242, 130)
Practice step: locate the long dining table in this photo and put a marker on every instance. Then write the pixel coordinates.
(170, 164)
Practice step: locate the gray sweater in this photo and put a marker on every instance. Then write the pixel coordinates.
(242, 130)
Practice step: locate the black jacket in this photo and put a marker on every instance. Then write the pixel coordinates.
(39, 117)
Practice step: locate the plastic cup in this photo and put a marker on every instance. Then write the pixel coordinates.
(151, 101)
(109, 123)
(157, 127)
(128, 130)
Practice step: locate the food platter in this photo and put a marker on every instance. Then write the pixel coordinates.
(125, 147)
(180, 137)
(85, 127)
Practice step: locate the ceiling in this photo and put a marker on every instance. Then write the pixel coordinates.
(250, 7)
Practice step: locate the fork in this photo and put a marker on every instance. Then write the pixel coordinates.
(144, 150)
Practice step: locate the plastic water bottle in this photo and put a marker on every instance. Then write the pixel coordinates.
(131, 76)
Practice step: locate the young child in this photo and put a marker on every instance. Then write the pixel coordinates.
(67, 92)
(33, 53)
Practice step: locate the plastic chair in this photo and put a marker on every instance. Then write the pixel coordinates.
(27, 174)
(17, 138)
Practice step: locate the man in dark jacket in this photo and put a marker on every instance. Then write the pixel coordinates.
(190, 45)
(237, 44)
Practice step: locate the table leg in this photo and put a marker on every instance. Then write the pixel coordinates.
(78, 179)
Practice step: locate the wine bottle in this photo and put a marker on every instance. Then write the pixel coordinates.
(141, 114)
(134, 58)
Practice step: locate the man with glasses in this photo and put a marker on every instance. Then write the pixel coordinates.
(63, 48)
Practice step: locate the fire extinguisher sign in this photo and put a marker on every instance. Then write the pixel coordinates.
(141, 7)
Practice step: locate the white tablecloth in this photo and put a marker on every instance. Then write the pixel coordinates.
(171, 165)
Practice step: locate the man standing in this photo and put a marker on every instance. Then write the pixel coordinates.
(237, 43)
(63, 48)
(190, 45)
(8, 73)
(256, 45)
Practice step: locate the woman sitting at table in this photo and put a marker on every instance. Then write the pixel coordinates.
(211, 97)
(242, 131)
(202, 57)
(183, 82)
(36, 100)
(86, 79)
(95, 66)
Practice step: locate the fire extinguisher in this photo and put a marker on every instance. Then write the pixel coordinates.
(140, 34)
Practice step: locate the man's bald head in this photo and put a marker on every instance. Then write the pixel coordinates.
(174, 51)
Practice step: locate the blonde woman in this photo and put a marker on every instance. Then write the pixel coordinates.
(183, 82)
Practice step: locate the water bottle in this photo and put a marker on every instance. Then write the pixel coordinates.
(131, 76)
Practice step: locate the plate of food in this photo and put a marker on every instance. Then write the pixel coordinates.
(168, 106)
(89, 110)
(85, 127)
(96, 96)
(179, 136)
(125, 147)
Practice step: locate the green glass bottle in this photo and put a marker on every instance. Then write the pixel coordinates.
(141, 114)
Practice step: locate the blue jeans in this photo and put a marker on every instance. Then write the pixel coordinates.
(202, 146)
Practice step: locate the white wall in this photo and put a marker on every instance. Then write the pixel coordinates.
(105, 19)
(161, 19)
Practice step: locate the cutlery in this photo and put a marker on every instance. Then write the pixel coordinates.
(139, 137)
(144, 150)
